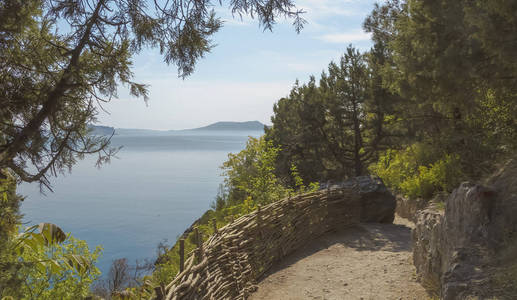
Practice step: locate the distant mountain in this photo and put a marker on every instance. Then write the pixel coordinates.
(101, 130)
(233, 126)
(219, 126)
(134, 131)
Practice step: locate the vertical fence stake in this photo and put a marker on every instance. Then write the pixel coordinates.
(159, 292)
(214, 220)
(199, 243)
(259, 222)
(182, 255)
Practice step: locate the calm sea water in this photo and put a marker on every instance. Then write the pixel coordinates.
(155, 189)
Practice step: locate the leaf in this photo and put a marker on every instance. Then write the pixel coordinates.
(52, 233)
(77, 262)
(55, 267)
(41, 266)
(31, 243)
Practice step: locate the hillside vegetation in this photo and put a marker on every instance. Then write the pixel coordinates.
(422, 122)
(431, 104)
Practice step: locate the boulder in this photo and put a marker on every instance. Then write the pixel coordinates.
(377, 202)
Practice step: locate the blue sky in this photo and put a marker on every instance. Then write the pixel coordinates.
(246, 73)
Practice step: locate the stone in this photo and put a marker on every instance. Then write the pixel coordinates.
(460, 252)
(409, 208)
(377, 203)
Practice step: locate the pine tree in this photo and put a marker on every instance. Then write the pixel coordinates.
(60, 59)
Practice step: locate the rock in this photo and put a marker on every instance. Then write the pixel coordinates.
(448, 246)
(427, 241)
(461, 252)
(377, 202)
(409, 209)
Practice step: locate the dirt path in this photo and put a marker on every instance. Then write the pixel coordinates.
(368, 261)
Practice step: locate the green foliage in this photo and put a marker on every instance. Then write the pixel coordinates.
(41, 262)
(250, 177)
(60, 58)
(417, 172)
(53, 265)
(333, 130)
(9, 220)
(249, 182)
(9, 205)
(450, 62)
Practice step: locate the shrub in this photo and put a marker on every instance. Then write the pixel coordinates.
(53, 265)
(418, 171)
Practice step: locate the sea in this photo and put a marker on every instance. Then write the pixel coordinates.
(156, 187)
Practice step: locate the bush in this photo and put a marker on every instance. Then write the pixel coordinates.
(40, 262)
(53, 265)
(418, 171)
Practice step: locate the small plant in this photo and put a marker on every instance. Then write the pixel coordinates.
(440, 205)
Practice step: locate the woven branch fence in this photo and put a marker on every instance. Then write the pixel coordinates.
(230, 262)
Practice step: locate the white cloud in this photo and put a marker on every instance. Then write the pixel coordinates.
(317, 13)
(266, 71)
(345, 38)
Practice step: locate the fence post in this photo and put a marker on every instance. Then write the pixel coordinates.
(182, 255)
(259, 221)
(199, 243)
(159, 292)
(214, 220)
(327, 206)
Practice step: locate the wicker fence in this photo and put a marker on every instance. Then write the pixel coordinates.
(231, 261)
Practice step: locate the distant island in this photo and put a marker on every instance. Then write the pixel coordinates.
(101, 130)
(232, 126)
(218, 126)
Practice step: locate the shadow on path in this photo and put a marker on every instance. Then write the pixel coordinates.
(362, 237)
(366, 261)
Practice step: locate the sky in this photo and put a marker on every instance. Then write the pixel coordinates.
(245, 73)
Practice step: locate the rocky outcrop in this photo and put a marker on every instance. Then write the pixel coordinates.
(460, 252)
(450, 247)
(409, 208)
(377, 202)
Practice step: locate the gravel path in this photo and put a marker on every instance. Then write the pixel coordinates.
(368, 261)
